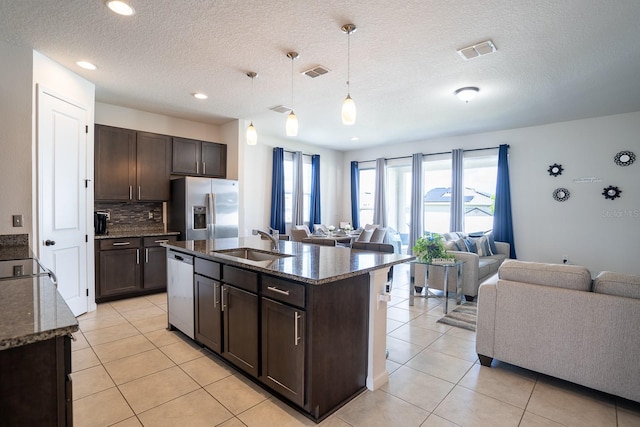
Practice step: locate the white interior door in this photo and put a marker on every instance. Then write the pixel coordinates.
(62, 193)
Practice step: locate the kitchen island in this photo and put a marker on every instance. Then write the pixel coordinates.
(306, 321)
(35, 348)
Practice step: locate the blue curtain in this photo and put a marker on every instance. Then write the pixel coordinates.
(355, 189)
(277, 191)
(502, 221)
(314, 211)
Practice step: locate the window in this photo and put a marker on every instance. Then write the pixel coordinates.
(366, 196)
(288, 187)
(436, 184)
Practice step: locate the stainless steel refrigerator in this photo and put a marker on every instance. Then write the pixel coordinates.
(203, 208)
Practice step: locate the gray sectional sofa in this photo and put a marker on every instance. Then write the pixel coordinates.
(555, 320)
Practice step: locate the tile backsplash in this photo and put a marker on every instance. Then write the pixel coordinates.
(123, 214)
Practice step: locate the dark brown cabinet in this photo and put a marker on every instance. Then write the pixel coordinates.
(283, 342)
(36, 384)
(208, 304)
(199, 158)
(154, 272)
(240, 318)
(118, 267)
(131, 266)
(130, 165)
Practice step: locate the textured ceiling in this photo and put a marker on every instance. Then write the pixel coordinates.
(556, 61)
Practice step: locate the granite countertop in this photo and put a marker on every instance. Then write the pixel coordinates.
(312, 264)
(31, 310)
(122, 232)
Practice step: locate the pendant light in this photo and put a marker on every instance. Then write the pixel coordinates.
(348, 106)
(252, 135)
(292, 121)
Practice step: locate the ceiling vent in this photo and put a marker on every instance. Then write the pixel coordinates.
(280, 109)
(316, 71)
(476, 50)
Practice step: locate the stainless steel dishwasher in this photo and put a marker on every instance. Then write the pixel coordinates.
(180, 292)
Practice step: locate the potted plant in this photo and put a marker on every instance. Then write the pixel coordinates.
(429, 248)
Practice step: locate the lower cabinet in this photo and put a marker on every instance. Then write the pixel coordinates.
(208, 312)
(36, 384)
(130, 266)
(283, 343)
(240, 320)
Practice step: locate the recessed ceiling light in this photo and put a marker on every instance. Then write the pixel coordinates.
(86, 65)
(120, 7)
(355, 138)
(199, 95)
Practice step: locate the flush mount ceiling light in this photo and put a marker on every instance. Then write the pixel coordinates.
(292, 121)
(86, 65)
(348, 106)
(252, 135)
(466, 94)
(120, 7)
(200, 95)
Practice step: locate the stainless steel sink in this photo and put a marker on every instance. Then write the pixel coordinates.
(251, 254)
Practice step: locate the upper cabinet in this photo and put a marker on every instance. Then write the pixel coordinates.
(199, 158)
(131, 165)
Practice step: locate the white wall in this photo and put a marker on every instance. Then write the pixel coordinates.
(597, 233)
(255, 177)
(15, 138)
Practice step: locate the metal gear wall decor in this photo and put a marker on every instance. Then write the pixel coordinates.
(561, 194)
(555, 169)
(624, 158)
(611, 192)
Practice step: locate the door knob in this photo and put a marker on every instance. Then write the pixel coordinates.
(49, 243)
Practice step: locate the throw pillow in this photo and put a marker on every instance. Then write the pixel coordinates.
(492, 242)
(460, 246)
(471, 245)
(482, 244)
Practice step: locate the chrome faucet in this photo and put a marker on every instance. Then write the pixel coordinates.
(274, 241)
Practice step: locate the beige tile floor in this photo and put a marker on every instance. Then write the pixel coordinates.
(128, 370)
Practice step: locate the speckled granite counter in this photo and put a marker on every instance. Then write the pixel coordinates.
(122, 232)
(312, 264)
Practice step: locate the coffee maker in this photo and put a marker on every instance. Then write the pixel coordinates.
(100, 223)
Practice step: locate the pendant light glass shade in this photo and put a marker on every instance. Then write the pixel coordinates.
(348, 106)
(348, 111)
(252, 135)
(292, 124)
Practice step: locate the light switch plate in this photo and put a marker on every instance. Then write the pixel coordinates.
(17, 220)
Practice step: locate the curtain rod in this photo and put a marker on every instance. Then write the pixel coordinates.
(292, 152)
(431, 154)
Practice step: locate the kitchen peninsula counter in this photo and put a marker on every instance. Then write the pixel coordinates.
(309, 325)
(311, 264)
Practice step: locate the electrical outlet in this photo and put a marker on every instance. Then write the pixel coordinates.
(108, 215)
(565, 259)
(17, 220)
(150, 214)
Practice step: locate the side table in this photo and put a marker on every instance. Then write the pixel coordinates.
(458, 271)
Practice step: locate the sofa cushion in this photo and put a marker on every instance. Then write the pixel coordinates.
(622, 285)
(486, 267)
(556, 275)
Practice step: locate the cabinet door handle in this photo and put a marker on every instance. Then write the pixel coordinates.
(224, 304)
(121, 243)
(137, 256)
(204, 168)
(139, 193)
(278, 290)
(296, 338)
(215, 294)
(130, 192)
(161, 241)
(146, 256)
(197, 167)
